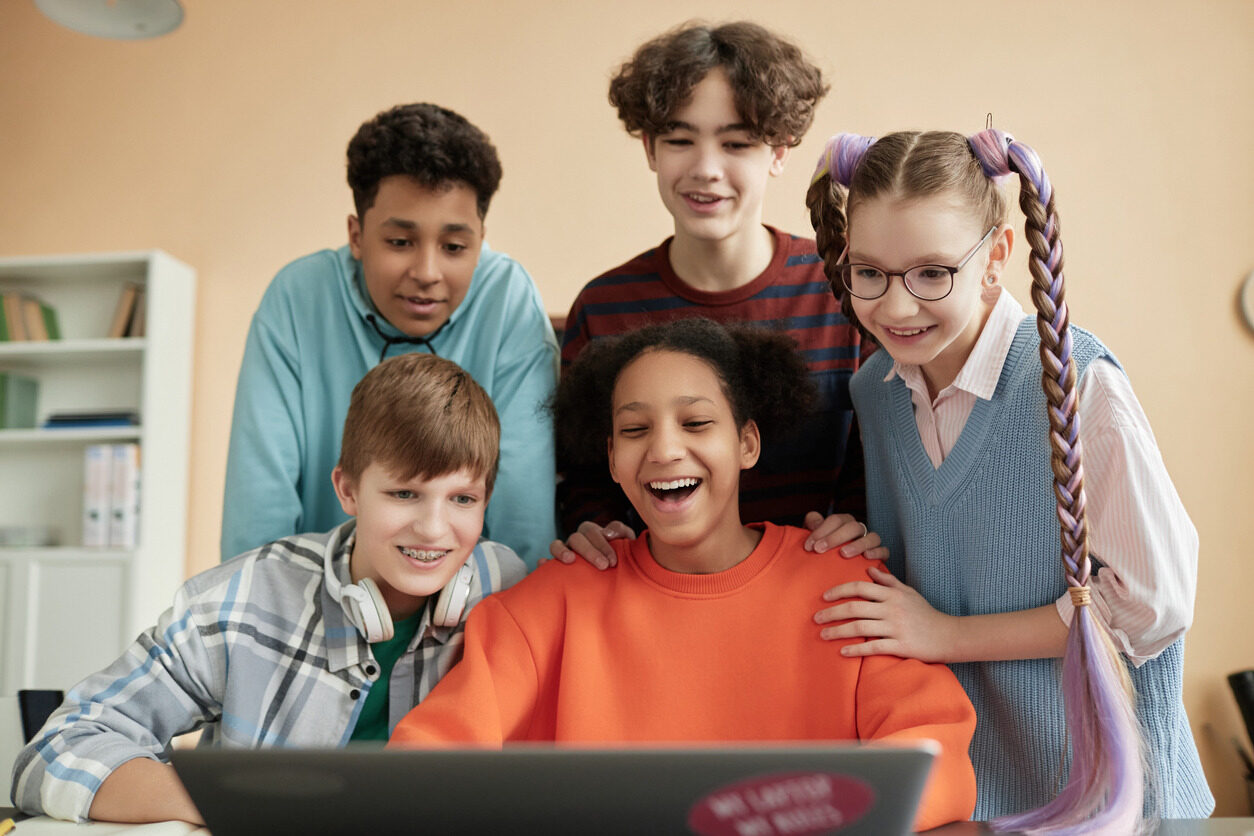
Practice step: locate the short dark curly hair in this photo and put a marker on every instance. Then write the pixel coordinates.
(776, 87)
(429, 143)
(761, 373)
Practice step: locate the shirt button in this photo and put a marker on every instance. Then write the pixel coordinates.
(371, 670)
(354, 694)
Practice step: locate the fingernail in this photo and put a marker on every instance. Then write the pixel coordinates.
(820, 546)
(848, 551)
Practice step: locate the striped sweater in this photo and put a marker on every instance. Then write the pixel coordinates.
(807, 472)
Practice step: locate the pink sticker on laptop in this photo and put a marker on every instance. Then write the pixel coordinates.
(782, 804)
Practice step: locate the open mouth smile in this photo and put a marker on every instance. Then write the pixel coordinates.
(423, 555)
(906, 333)
(702, 202)
(674, 490)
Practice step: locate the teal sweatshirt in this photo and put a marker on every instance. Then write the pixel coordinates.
(309, 344)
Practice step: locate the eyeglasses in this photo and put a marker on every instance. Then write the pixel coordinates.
(928, 282)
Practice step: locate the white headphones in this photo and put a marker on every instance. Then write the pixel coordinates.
(369, 612)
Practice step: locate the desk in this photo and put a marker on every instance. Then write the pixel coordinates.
(50, 827)
(1168, 827)
(42, 826)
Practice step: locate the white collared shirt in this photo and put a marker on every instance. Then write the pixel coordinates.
(1138, 527)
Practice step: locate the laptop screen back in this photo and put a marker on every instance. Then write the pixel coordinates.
(742, 790)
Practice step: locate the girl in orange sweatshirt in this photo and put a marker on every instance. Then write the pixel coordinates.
(699, 633)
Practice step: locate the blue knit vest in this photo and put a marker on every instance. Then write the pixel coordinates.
(980, 535)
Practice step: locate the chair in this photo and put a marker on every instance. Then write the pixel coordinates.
(35, 706)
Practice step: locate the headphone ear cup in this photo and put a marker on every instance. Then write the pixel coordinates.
(453, 597)
(370, 610)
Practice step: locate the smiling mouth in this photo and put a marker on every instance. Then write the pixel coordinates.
(423, 555)
(907, 332)
(703, 198)
(674, 490)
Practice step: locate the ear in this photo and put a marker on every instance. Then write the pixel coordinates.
(750, 444)
(648, 151)
(354, 236)
(1003, 243)
(779, 156)
(609, 454)
(345, 490)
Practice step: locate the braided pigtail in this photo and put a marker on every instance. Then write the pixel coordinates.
(1105, 789)
(826, 201)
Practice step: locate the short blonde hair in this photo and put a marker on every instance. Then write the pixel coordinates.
(419, 415)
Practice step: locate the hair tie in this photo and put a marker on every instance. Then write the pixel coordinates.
(1080, 596)
(991, 147)
(841, 157)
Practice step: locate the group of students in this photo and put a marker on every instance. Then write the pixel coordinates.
(401, 397)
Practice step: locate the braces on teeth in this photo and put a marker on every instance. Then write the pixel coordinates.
(423, 554)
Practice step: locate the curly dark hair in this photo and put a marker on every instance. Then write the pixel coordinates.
(761, 373)
(775, 86)
(432, 144)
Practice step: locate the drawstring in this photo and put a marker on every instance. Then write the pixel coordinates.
(389, 341)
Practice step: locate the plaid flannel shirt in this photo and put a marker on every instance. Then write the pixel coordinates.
(255, 652)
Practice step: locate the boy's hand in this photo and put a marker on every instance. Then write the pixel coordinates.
(842, 528)
(893, 617)
(592, 542)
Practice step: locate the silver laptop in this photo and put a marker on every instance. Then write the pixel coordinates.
(792, 788)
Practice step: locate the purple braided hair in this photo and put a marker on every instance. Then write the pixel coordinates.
(841, 156)
(1106, 785)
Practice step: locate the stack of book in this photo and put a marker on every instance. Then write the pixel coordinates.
(130, 313)
(26, 317)
(76, 420)
(111, 495)
(18, 395)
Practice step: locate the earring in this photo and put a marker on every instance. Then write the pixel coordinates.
(990, 291)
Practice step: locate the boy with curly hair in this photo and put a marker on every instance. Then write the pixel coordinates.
(718, 108)
(416, 275)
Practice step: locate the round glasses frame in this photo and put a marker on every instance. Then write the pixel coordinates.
(910, 277)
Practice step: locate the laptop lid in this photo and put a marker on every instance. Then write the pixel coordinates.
(792, 788)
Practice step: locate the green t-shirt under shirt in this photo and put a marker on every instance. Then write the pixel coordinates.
(372, 722)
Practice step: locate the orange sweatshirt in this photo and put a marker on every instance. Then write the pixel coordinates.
(643, 654)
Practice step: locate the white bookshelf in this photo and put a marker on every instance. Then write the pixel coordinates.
(66, 610)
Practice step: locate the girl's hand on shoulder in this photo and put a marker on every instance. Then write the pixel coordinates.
(827, 532)
(592, 542)
(893, 618)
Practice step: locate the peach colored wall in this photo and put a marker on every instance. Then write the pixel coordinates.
(223, 144)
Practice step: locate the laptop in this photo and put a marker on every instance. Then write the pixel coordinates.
(792, 788)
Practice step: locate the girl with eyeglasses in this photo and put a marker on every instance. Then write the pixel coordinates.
(973, 419)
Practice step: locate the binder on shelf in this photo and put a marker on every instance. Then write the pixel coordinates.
(125, 310)
(124, 496)
(136, 328)
(14, 321)
(26, 317)
(34, 317)
(97, 469)
(52, 324)
(18, 396)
